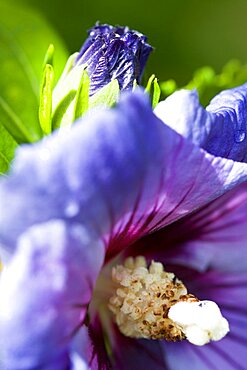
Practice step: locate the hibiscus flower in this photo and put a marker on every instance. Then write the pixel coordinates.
(120, 184)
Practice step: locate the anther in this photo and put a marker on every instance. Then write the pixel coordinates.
(151, 303)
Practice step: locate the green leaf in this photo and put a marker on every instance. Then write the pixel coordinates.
(24, 37)
(82, 96)
(13, 123)
(107, 96)
(7, 149)
(45, 107)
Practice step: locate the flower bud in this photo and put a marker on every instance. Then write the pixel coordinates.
(113, 53)
(111, 59)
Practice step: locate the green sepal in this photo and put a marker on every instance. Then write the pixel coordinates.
(153, 90)
(82, 96)
(107, 96)
(149, 84)
(45, 107)
(68, 66)
(156, 93)
(49, 56)
(60, 114)
(68, 82)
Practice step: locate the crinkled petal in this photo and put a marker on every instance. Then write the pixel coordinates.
(113, 53)
(44, 295)
(230, 293)
(220, 129)
(121, 172)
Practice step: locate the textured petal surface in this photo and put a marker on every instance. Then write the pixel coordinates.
(121, 172)
(44, 295)
(114, 52)
(220, 129)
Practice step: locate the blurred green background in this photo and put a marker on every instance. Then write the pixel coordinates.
(186, 34)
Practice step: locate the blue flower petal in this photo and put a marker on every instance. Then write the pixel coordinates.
(220, 129)
(213, 238)
(120, 172)
(82, 350)
(44, 295)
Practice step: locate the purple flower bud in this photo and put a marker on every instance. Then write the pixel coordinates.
(114, 53)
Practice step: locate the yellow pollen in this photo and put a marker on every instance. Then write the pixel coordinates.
(142, 299)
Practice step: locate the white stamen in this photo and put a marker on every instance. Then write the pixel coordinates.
(199, 321)
(149, 302)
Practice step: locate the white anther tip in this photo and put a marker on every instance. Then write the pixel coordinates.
(200, 321)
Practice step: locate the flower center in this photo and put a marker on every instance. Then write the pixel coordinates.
(149, 302)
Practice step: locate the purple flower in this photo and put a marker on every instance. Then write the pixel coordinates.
(123, 183)
(114, 53)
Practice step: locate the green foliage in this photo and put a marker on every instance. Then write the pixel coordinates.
(168, 87)
(208, 83)
(70, 97)
(7, 149)
(24, 37)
